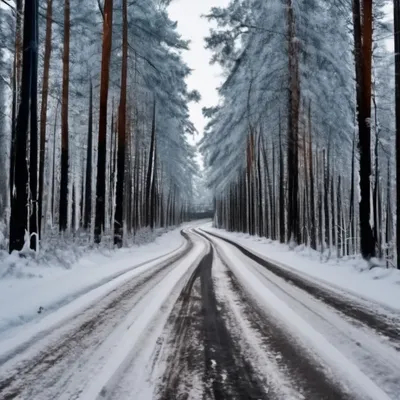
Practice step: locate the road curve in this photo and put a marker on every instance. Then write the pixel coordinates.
(353, 357)
(61, 362)
(210, 321)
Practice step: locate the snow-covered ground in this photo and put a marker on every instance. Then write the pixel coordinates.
(39, 289)
(353, 357)
(198, 316)
(379, 285)
(90, 345)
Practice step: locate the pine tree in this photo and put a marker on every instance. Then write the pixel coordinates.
(26, 111)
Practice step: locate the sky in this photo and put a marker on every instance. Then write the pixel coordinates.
(205, 77)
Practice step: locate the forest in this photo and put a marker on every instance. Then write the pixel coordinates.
(304, 145)
(200, 199)
(94, 121)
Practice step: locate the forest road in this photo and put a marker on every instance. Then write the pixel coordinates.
(213, 321)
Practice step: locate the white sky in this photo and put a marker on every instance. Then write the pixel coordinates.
(205, 77)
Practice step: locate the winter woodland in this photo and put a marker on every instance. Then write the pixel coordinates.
(301, 147)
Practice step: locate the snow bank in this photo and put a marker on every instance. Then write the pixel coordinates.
(352, 275)
(31, 287)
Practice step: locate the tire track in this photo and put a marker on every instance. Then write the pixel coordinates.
(228, 374)
(385, 325)
(308, 377)
(87, 335)
(185, 359)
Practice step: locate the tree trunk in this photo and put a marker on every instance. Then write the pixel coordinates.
(389, 215)
(53, 186)
(101, 159)
(63, 217)
(33, 146)
(351, 212)
(119, 223)
(261, 231)
(19, 200)
(43, 111)
(363, 55)
(88, 190)
(293, 120)
(281, 189)
(313, 224)
(396, 11)
(153, 196)
(16, 82)
(150, 169)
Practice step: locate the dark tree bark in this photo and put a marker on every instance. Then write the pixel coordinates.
(53, 180)
(136, 195)
(273, 206)
(19, 200)
(389, 215)
(363, 57)
(333, 217)
(396, 12)
(150, 170)
(320, 174)
(293, 121)
(43, 110)
(88, 190)
(260, 190)
(326, 180)
(119, 222)
(341, 228)
(63, 217)
(313, 224)
(16, 83)
(153, 195)
(102, 139)
(376, 195)
(269, 194)
(33, 146)
(281, 189)
(351, 211)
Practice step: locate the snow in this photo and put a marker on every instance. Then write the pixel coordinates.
(250, 340)
(301, 328)
(50, 287)
(139, 337)
(351, 275)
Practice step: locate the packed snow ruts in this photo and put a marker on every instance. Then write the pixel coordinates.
(72, 344)
(228, 374)
(206, 356)
(387, 326)
(306, 376)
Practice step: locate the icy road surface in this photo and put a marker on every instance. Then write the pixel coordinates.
(210, 320)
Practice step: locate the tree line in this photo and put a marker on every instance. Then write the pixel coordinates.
(303, 143)
(94, 120)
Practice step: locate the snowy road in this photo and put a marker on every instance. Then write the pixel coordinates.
(208, 321)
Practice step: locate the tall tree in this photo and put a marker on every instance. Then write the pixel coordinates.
(88, 187)
(150, 170)
(64, 122)
(119, 222)
(362, 18)
(102, 138)
(16, 81)
(19, 202)
(44, 106)
(33, 143)
(396, 12)
(293, 123)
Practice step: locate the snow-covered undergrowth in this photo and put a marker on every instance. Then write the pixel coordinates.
(34, 284)
(354, 275)
(64, 252)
